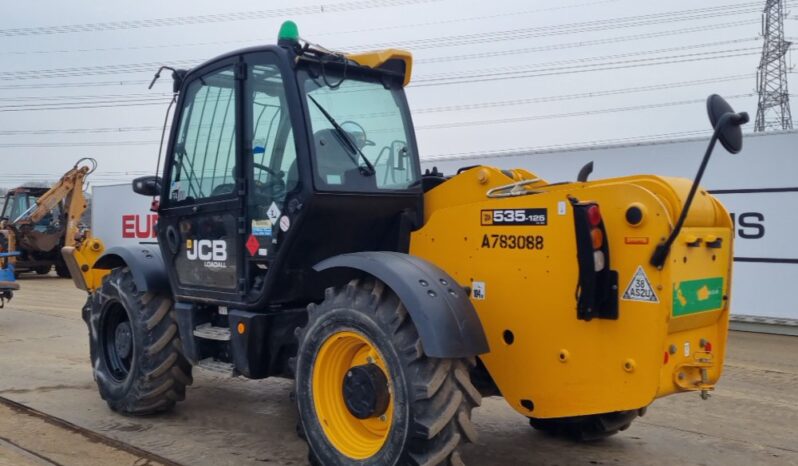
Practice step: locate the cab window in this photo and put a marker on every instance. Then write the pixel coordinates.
(205, 152)
(274, 173)
(361, 133)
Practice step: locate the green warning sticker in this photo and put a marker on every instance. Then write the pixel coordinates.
(700, 295)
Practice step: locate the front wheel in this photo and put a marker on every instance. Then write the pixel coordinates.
(366, 392)
(135, 348)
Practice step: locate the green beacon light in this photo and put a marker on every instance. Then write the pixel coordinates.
(289, 32)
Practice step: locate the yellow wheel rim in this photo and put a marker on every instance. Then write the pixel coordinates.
(356, 438)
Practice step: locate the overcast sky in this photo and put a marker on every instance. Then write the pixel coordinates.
(534, 73)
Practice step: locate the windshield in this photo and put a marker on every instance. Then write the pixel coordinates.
(361, 133)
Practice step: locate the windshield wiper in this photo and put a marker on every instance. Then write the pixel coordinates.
(345, 136)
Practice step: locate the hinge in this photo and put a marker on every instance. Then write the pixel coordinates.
(241, 71)
(242, 225)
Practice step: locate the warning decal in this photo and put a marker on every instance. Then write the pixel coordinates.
(640, 288)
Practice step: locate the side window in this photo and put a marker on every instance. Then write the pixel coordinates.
(274, 169)
(205, 152)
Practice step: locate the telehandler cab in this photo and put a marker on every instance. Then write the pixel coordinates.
(298, 238)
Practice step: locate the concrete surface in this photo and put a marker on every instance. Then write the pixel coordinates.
(752, 419)
(27, 440)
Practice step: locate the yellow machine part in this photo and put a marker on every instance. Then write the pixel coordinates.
(376, 58)
(79, 261)
(356, 438)
(545, 361)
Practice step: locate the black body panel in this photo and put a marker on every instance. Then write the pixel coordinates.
(146, 264)
(441, 311)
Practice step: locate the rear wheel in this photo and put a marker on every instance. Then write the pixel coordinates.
(366, 392)
(62, 270)
(587, 428)
(135, 348)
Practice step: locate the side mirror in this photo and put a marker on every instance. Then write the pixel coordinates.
(730, 134)
(147, 185)
(726, 125)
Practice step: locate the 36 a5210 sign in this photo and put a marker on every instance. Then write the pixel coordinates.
(513, 217)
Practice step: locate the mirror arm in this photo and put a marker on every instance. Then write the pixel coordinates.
(662, 250)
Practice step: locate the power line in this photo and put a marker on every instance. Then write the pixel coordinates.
(423, 127)
(551, 116)
(139, 82)
(17, 145)
(160, 102)
(568, 28)
(333, 33)
(207, 19)
(583, 60)
(449, 40)
(579, 96)
(519, 151)
(574, 69)
(423, 110)
(121, 129)
(611, 40)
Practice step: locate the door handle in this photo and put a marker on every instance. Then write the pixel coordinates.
(172, 240)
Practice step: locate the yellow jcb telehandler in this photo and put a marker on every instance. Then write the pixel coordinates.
(299, 238)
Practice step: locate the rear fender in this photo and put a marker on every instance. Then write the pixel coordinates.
(446, 320)
(145, 263)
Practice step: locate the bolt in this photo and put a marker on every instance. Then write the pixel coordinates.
(349, 374)
(681, 375)
(383, 418)
(369, 360)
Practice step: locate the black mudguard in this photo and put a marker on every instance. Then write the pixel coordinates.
(145, 263)
(444, 316)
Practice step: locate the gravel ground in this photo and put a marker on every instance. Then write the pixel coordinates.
(752, 418)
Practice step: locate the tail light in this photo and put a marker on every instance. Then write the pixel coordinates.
(597, 290)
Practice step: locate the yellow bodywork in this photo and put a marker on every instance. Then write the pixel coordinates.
(563, 365)
(80, 260)
(379, 57)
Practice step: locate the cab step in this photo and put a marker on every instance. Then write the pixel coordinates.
(217, 367)
(211, 332)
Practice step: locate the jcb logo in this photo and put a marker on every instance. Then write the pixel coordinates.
(206, 250)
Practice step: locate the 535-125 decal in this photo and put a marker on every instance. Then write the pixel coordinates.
(499, 217)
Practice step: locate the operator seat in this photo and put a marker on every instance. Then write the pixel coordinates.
(336, 166)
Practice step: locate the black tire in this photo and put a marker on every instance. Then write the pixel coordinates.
(587, 428)
(62, 270)
(432, 398)
(43, 270)
(135, 347)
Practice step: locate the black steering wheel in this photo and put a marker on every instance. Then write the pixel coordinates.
(270, 190)
(263, 191)
(360, 140)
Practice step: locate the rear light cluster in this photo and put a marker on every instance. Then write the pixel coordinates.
(597, 291)
(596, 236)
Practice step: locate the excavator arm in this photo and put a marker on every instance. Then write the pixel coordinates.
(69, 190)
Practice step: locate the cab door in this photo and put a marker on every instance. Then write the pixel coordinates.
(202, 215)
